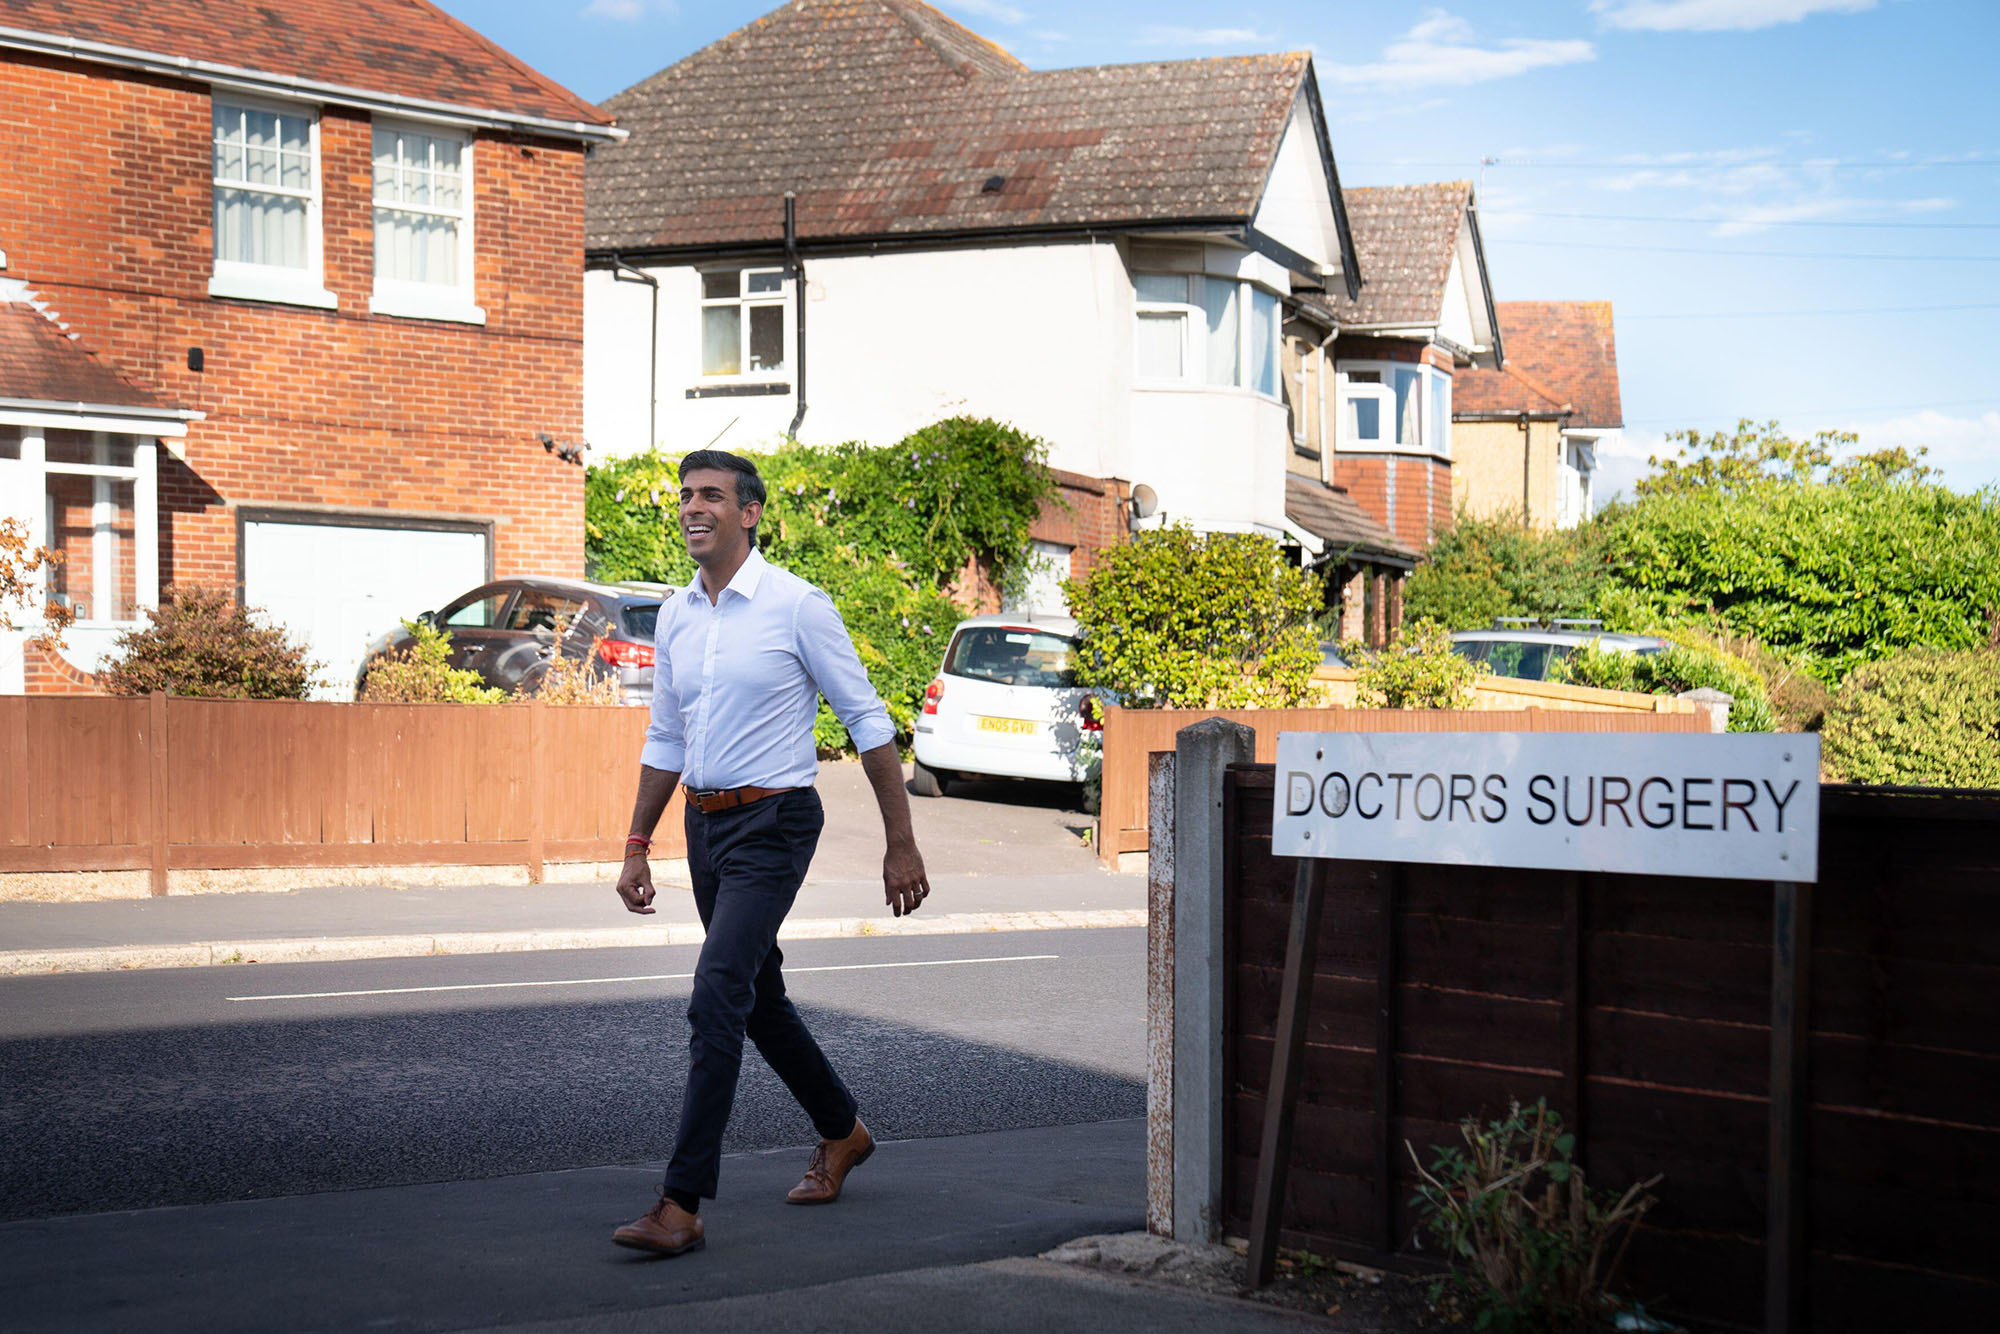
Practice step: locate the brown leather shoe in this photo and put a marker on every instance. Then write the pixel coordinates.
(831, 1162)
(665, 1229)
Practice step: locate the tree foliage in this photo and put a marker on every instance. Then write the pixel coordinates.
(200, 642)
(1482, 568)
(21, 570)
(886, 532)
(421, 673)
(1922, 718)
(1759, 452)
(1420, 672)
(1185, 620)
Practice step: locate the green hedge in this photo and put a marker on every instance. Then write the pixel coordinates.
(1691, 661)
(885, 531)
(1924, 718)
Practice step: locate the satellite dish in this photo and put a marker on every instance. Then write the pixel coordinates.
(1145, 502)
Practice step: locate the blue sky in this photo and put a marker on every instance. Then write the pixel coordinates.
(1794, 205)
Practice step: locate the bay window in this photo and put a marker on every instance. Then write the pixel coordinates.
(1395, 405)
(423, 223)
(265, 185)
(743, 322)
(1196, 329)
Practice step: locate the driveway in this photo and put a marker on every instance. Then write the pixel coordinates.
(982, 828)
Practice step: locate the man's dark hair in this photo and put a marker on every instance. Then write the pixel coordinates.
(749, 486)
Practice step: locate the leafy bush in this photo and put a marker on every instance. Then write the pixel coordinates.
(1420, 672)
(573, 680)
(199, 642)
(1482, 568)
(1532, 1248)
(421, 674)
(1184, 620)
(884, 531)
(1690, 661)
(1923, 718)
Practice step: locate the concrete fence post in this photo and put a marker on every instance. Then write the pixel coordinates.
(1201, 754)
(1712, 704)
(1160, 993)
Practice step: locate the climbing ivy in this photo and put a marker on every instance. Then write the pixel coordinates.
(888, 533)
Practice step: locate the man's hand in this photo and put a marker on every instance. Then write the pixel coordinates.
(635, 883)
(904, 887)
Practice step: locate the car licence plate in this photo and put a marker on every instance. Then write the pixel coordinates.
(1009, 726)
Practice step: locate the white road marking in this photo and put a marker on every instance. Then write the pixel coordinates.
(644, 977)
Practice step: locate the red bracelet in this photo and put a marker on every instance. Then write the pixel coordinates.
(631, 839)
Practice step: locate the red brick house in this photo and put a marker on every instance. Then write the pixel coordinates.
(1424, 313)
(290, 298)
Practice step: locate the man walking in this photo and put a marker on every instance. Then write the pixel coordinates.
(741, 657)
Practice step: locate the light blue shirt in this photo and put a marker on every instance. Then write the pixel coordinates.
(736, 683)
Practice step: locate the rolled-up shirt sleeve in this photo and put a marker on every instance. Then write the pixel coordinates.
(665, 747)
(829, 657)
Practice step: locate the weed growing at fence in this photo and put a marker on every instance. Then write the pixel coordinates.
(1531, 1246)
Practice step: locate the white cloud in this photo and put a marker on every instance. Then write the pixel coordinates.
(1716, 15)
(1162, 35)
(630, 11)
(997, 10)
(1442, 50)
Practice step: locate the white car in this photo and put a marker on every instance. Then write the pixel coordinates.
(1005, 704)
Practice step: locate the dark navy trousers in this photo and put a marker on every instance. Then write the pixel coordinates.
(747, 865)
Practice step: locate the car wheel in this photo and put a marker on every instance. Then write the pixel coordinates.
(926, 781)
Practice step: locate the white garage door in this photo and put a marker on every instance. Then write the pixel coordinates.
(338, 586)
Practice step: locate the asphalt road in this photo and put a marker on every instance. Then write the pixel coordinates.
(131, 1090)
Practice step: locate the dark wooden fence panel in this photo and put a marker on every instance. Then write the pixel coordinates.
(1639, 1007)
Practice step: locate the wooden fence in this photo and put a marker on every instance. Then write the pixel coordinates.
(167, 783)
(1131, 735)
(1639, 1006)
(1339, 687)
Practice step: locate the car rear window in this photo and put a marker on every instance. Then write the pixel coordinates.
(640, 618)
(1523, 662)
(1011, 656)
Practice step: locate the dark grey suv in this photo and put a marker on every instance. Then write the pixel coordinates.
(505, 631)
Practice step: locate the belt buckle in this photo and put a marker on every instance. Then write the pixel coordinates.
(710, 794)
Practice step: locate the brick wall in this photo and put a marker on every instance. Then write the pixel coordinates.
(105, 203)
(1087, 516)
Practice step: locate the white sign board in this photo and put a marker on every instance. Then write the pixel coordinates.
(1738, 806)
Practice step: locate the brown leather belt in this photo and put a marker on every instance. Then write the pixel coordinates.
(713, 801)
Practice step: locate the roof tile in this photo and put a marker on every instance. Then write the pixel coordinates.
(1334, 516)
(830, 97)
(40, 363)
(409, 48)
(1560, 354)
(1404, 238)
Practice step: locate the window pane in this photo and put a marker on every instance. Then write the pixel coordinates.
(767, 338)
(91, 523)
(1264, 342)
(385, 166)
(1218, 303)
(1439, 426)
(256, 228)
(1161, 287)
(759, 281)
(478, 614)
(1160, 346)
(535, 610)
(1011, 657)
(721, 340)
(416, 247)
(1364, 377)
(720, 284)
(1409, 388)
(1364, 418)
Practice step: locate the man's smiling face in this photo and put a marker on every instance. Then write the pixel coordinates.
(712, 523)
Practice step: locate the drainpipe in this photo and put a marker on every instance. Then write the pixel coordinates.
(1325, 372)
(798, 268)
(1527, 457)
(619, 268)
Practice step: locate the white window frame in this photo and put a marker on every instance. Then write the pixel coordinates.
(28, 500)
(420, 300)
(273, 282)
(1194, 335)
(1429, 376)
(744, 301)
